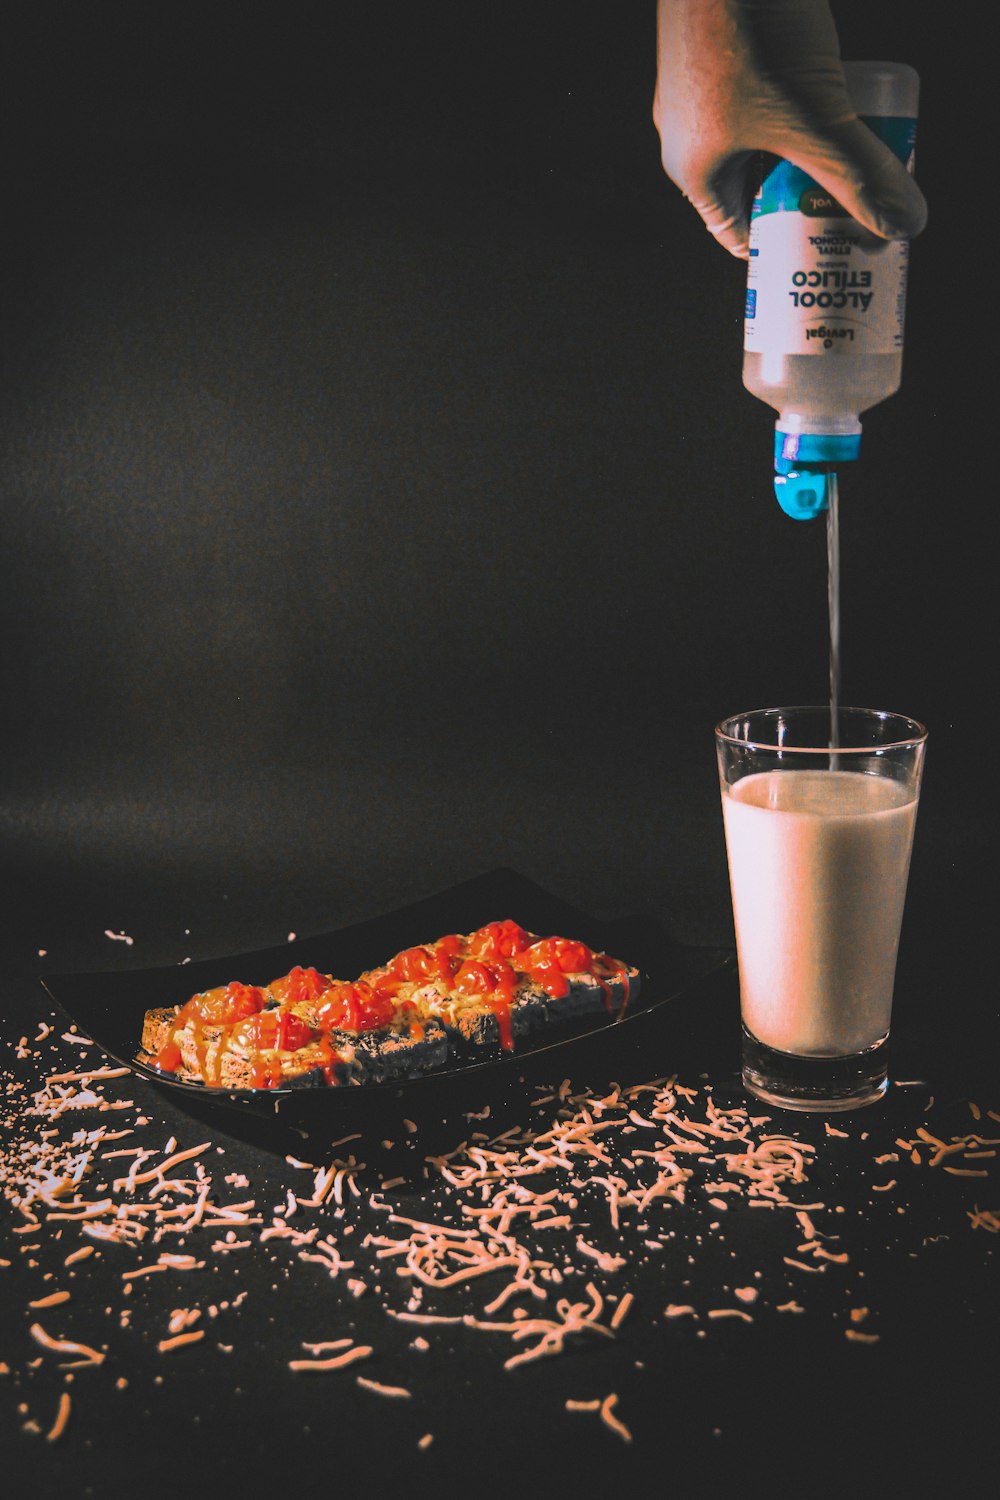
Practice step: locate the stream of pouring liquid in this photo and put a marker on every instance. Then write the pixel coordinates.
(833, 601)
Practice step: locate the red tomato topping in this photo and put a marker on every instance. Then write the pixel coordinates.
(266, 1072)
(494, 983)
(222, 1006)
(330, 1057)
(378, 1006)
(414, 965)
(356, 1007)
(447, 956)
(547, 973)
(427, 962)
(548, 961)
(475, 978)
(499, 940)
(280, 1029)
(168, 1059)
(572, 958)
(300, 985)
(338, 1009)
(483, 977)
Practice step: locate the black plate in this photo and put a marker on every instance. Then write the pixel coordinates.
(109, 1005)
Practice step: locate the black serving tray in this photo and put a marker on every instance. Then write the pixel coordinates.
(109, 1005)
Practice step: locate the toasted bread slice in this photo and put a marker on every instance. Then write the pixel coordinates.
(216, 1056)
(487, 991)
(157, 1027)
(473, 1023)
(404, 1050)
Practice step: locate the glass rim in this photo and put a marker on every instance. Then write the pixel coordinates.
(915, 735)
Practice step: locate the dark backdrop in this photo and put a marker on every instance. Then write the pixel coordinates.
(381, 501)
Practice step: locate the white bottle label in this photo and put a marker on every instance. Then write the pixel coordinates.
(818, 285)
(817, 282)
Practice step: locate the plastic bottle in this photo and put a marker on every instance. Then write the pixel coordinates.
(823, 330)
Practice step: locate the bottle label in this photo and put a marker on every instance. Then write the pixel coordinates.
(817, 282)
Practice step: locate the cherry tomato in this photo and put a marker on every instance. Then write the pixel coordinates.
(300, 985)
(414, 965)
(278, 1029)
(223, 1006)
(168, 1059)
(356, 1007)
(499, 940)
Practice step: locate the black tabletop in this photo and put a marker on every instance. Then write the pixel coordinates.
(384, 527)
(601, 1259)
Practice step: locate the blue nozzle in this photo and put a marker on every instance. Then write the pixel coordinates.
(804, 463)
(803, 496)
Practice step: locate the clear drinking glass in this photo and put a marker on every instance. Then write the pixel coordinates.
(819, 828)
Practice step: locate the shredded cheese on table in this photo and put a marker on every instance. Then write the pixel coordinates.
(334, 1362)
(65, 1346)
(383, 1390)
(180, 1339)
(529, 1239)
(62, 1417)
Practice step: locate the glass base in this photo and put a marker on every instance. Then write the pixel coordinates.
(815, 1083)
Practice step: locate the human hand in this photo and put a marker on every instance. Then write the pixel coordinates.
(738, 77)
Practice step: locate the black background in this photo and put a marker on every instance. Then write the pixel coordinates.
(381, 499)
(382, 505)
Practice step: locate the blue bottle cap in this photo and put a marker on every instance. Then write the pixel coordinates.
(803, 495)
(803, 465)
(794, 449)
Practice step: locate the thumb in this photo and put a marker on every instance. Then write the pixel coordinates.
(722, 198)
(864, 175)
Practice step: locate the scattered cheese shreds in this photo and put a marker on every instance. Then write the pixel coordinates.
(180, 1339)
(62, 1417)
(520, 1221)
(609, 1418)
(382, 1390)
(65, 1346)
(335, 1362)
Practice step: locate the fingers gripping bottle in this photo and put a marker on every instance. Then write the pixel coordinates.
(823, 330)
